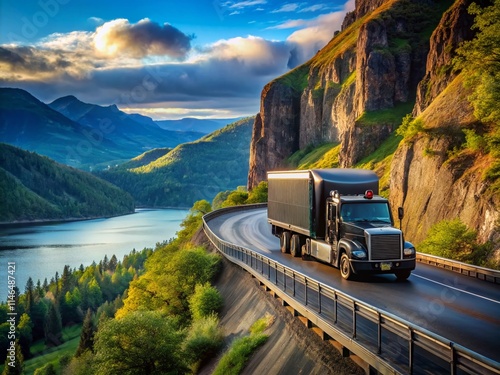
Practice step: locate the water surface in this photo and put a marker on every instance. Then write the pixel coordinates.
(41, 250)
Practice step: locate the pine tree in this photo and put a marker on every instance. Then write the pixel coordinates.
(14, 364)
(30, 295)
(53, 327)
(87, 335)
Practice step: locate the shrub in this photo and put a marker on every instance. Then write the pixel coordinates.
(205, 301)
(474, 141)
(242, 348)
(410, 127)
(453, 240)
(204, 339)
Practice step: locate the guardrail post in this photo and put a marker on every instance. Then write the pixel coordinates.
(319, 299)
(305, 291)
(379, 333)
(353, 320)
(411, 350)
(453, 360)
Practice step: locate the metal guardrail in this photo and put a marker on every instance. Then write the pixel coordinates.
(463, 268)
(387, 343)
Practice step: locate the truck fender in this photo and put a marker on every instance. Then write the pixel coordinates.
(347, 246)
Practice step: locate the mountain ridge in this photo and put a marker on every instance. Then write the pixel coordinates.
(83, 135)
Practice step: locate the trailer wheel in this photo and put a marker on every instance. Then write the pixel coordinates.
(285, 242)
(295, 247)
(345, 267)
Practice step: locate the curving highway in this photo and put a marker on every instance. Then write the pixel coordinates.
(460, 308)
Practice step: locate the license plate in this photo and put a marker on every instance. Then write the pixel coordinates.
(385, 266)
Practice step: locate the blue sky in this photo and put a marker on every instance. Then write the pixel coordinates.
(164, 59)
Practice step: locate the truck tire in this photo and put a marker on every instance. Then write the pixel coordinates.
(345, 267)
(285, 242)
(403, 275)
(295, 246)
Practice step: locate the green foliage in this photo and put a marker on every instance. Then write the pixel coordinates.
(242, 348)
(206, 300)
(392, 116)
(14, 366)
(322, 156)
(296, 78)
(172, 272)
(410, 127)
(87, 335)
(241, 196)
(258, 194)
(142, 342)
(204, 339)
(235, 198)
(474, 141)
(453, 240)
(33, 187)
(479, 60)
(48, 369)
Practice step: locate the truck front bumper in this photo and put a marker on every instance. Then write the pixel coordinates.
(360, 266)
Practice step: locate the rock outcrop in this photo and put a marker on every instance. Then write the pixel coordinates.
(383, 58)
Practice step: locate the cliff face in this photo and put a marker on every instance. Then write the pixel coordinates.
(384, 58)
(374, 64)
(429, 179)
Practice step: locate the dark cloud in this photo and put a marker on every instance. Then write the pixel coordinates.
(143, 38)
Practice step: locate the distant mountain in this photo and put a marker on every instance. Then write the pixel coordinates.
(28, 123)
(189, 172)
(78, 134)
(33, 187)
(205, 126)
(132, 132)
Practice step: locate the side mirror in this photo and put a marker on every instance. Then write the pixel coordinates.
(401, 213)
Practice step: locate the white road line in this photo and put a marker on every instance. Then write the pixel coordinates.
(460, 290)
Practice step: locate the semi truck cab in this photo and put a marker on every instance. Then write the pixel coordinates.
(360, 230)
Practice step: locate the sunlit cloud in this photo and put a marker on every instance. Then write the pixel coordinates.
(119, 37)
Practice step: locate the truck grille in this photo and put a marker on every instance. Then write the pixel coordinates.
(385, 247)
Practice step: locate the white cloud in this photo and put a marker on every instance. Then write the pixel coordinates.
(286, 8)
(247, 3)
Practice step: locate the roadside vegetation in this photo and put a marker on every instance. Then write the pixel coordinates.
(235, 358)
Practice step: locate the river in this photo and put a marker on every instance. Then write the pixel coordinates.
(41, 250)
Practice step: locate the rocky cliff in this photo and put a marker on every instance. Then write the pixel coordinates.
(374, 64)
(391, 57)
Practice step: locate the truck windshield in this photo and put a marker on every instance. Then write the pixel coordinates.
(372, 211)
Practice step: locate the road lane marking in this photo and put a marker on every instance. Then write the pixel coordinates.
(460, 290)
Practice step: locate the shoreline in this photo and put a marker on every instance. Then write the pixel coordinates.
(4, 224)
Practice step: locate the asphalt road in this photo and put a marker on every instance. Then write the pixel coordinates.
(459, 308)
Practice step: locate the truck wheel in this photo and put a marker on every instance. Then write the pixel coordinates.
(403, 275)
(285, 242)
(295, 247)
(345, 267)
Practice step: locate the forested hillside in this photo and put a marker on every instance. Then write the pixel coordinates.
(33, 187)
(188, 173)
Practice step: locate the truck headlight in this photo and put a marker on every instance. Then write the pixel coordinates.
(360, 254)
(409, 251)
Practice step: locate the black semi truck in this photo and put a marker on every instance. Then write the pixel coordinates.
(337, 217)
